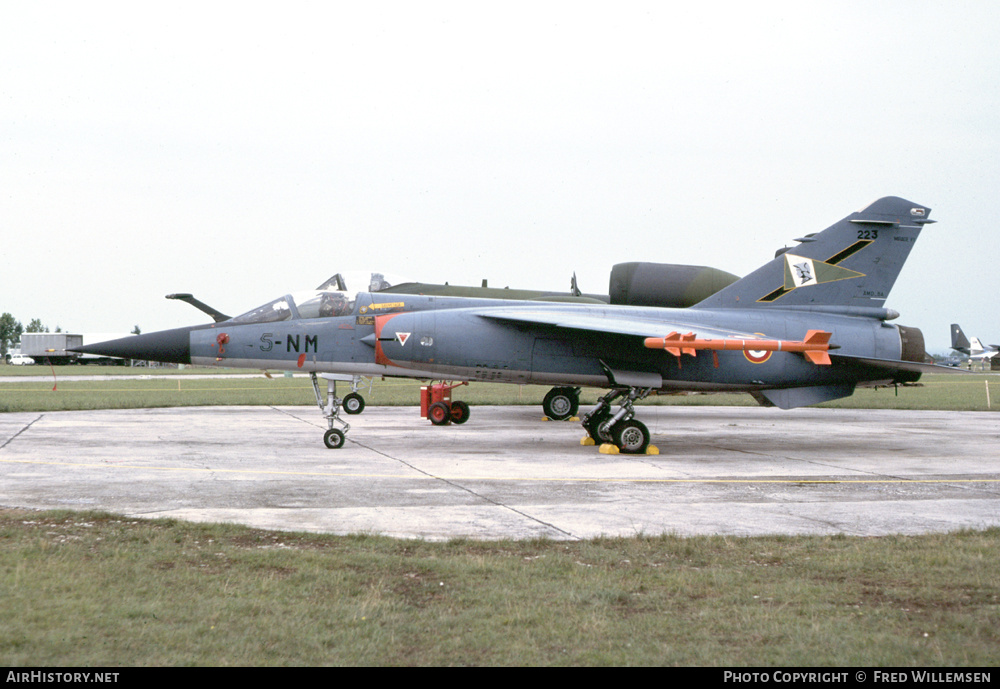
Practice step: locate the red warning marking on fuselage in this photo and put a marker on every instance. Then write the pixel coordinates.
(380, 322)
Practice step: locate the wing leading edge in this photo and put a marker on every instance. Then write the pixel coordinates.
(601, 322)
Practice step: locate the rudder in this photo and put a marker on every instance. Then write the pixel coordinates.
(852, 263)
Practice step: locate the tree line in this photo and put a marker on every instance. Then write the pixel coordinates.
(11, 330)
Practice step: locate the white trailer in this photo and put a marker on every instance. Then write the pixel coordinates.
(50, 347)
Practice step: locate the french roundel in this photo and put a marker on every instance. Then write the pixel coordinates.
(757, 356)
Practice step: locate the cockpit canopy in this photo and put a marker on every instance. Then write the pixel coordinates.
(359, 281)
(329, 299)
(318, 304)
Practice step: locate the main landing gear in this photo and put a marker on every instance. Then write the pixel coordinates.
(621, 429)
(561, 403)
(334, 437)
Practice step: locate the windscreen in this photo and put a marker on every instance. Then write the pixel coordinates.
(270, 312)
(317, 304)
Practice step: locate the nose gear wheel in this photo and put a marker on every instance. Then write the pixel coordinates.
(334, 437)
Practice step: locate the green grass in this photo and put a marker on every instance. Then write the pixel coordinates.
(46, 371)
(96, 589)
(177, 391)
(952, 392)
(959, 392)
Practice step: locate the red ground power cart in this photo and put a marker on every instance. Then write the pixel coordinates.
(436, 404)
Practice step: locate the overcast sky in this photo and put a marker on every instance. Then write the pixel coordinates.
(240, 151)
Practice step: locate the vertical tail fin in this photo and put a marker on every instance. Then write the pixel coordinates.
(853, 263)
(959, 342)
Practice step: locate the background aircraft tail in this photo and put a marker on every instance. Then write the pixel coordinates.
(853, 263)
(959, 342)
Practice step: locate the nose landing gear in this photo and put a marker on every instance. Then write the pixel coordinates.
(334, 437)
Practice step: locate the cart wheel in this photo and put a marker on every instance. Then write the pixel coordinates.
(439, 414)
(459, 412)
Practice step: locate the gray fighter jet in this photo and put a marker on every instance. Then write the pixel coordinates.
(632, 284)
(807, 327)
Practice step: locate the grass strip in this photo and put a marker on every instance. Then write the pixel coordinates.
(99, 589)
(959, 392)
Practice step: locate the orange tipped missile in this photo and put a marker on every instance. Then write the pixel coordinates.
(815, 346)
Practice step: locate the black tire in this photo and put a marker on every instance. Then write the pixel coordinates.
(459, 412)
(592, 426)
(439, 414)
(334, 438)
(354, 403)
(631, 437)
(561, 403)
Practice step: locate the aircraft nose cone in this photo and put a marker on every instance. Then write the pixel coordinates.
(169, 346)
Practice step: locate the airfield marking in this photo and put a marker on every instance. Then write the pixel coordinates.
(26, 427)
(424, 476)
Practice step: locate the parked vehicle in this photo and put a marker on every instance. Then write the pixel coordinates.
(51, 347)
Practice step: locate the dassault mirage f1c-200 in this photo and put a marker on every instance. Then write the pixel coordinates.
(807, 327)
